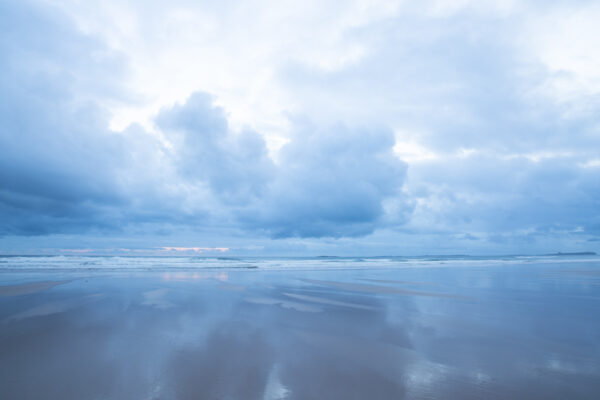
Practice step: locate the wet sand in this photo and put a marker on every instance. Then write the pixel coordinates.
(515, 332)
(28, 288)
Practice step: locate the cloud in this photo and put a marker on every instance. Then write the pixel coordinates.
(62, 169)
(488, 193)
(59, 162)
(296, 131)
(326, 182)
(235, 165)
(561, 40)
(490, 153)
(66, 171)
(196, 249)
(330, 182)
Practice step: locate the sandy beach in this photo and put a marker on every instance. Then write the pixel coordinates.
(500, 332)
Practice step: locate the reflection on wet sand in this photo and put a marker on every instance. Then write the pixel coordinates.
(392, 281)
(231, 286)
(28, 288)
(368, 288)
(322, 300)
(233, 363)
(289, 335)
(293, 305)
(156, 298)
(53, 307)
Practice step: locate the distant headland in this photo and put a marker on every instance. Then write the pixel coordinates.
(579, 253)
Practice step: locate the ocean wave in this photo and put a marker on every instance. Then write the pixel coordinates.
(132, 263)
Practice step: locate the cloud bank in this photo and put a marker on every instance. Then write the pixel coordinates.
(63, 170)
(392, 126)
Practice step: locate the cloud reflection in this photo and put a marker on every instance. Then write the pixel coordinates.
(281, 337)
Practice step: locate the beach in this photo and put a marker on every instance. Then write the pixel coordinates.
(319, 329)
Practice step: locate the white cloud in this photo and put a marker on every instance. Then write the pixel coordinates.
(564, 40)
(234, 50)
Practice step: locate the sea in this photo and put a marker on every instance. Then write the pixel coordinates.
(90, 263)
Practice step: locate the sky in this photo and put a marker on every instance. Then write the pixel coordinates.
(299, 127)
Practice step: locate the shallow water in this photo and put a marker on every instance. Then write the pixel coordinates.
(469, 330)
